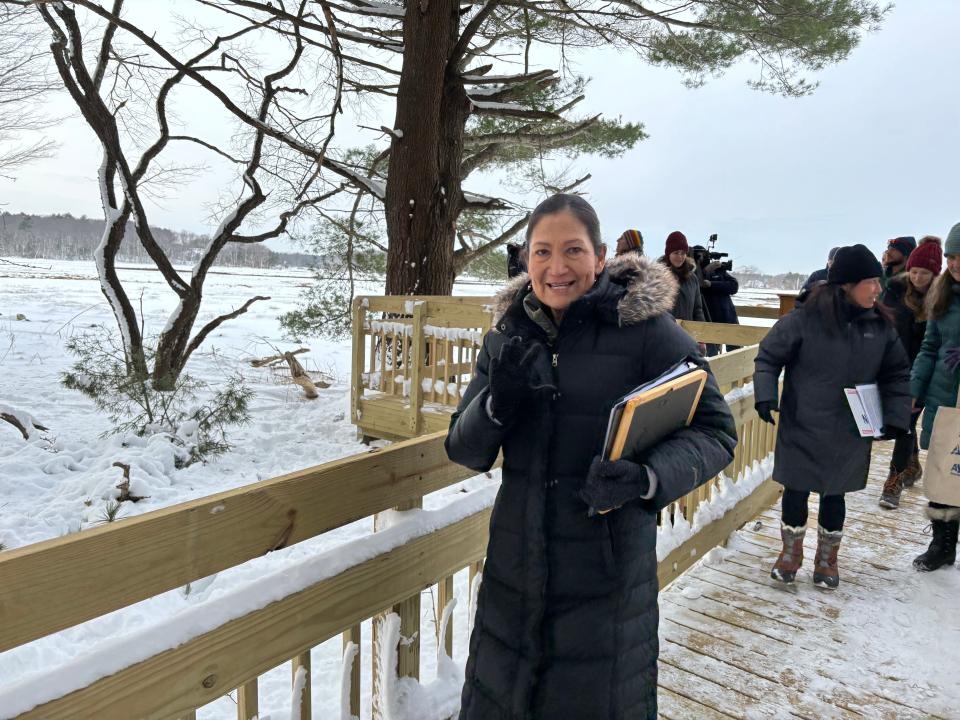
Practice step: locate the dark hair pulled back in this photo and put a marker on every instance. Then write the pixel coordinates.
(575, 205)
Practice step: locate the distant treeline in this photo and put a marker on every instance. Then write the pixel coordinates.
(64, 237)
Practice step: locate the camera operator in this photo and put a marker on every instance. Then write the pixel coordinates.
(718, 287)
(515, 264)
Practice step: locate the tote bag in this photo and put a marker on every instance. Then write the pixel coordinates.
(941, 476)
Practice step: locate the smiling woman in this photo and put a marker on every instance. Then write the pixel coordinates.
(565, 252)
(566, 623)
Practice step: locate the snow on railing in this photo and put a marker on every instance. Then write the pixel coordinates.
(454, 333)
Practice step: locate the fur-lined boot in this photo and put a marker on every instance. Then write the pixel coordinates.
(826, 574)
(791, 556)
(943, 547)
(892, 488)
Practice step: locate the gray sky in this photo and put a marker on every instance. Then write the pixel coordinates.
(872, 154)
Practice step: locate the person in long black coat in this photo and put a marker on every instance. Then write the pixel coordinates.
(566, 621)
(837, 339)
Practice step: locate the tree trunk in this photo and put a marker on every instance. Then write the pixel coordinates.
(172, 345)
(423, 198)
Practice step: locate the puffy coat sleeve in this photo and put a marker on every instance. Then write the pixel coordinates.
(693, 455)
(926, 361)
(725, 284)
(474, 439)
(893, 382)
(777, 350)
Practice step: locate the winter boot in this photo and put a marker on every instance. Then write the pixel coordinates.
(890, 495)
(943, 547)
(791, 556)
(825, 571)
(914, 470)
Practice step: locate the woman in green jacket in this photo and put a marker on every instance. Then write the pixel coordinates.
(934, 382)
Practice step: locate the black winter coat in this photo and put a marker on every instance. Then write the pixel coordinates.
(816, 277)
(566, 622)
(688, 304)
(908, 327)
(818, 446)
(718, 297)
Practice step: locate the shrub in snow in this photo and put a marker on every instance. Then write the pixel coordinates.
(193, 416)
(350, 252)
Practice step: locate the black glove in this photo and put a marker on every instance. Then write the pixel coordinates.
(891, 433)
(765, 409)
(510, 379)
(611, 483)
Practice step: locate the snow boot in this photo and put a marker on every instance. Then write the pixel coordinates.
(914, 470)
(791, 556)
(943, 547)
(890, 495)
(825, 572)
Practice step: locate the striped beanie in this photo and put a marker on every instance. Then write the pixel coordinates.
(633, 239)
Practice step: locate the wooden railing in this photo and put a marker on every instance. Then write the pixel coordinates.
(414, 356)
(409, 352)
(53, 585)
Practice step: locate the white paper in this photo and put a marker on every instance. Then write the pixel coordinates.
(864, 401)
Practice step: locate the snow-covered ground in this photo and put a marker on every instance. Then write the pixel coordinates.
(62, 479)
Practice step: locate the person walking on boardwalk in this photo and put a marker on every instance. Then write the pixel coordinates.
(934, 382)
(837, 339)
(566, 620)
(904, 296)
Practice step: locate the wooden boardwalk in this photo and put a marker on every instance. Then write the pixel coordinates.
(885, 644)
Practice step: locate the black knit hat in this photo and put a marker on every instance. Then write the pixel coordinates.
(905, 245)
(852, 264)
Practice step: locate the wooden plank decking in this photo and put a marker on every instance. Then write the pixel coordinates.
(736, 644)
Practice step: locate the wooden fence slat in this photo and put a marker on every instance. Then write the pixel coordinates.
(415, 347)
(248, 700)
(302, 661)
(356, 377)
(201, 670)
(444, 596)
(758, 311)
(52, 585)
(353, 636)
(723, 333)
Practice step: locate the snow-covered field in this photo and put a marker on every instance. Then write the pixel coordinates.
(62, 480)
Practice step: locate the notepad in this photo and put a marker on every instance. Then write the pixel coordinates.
(652, 411)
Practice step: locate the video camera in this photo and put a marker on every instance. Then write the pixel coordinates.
(714, 255)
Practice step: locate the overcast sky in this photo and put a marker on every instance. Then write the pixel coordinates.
(872, 154)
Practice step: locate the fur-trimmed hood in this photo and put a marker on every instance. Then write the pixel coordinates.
(650, 289)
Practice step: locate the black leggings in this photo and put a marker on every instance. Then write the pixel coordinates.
(833, 510)
(905, 446)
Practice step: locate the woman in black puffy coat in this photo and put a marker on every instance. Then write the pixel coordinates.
(566, 623)
(837, 339)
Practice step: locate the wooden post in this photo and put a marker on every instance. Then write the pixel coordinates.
(353, 636)
(788, 301)
(248, 700)
(356, 380)
(413, 371)
(435, 366)
(192, 715)
(303, 661)
(444, 596)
